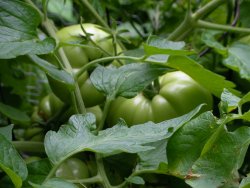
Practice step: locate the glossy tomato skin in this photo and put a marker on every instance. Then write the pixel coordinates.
(178, 95)
(72, 168)
(79, 56)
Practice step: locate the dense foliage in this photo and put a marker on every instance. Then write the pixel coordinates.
(124, 93)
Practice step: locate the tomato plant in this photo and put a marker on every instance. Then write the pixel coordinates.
(177, 95)
(109, 93)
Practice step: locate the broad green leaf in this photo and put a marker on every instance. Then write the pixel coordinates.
(76, 136)
(12, 163)
(18, 31)
(185, 146)
(54, 183)
(15, 114)
(229, 101)
(219, 165)
(213, 82)
(7, 132)
(136, 180)
(57, 74)
(62, 8)
(150, 160)
(238, 59)
(38, 171)
(127, 80)
(208, 37)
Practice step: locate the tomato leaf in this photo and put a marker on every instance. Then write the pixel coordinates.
(7, 132)
(55, 183)
(209, 38)
(54, 72)
(185, 146)
(229, 101)
(245, 182)
(238, 59)
(203, 76)
(136, 180)
(12, 163)
(38, 171)
(127, 80)
(18, 34)
(76, 136)
(219, 165)
(15, 114)
(157, 45)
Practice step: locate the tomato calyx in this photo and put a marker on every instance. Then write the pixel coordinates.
(152, 89)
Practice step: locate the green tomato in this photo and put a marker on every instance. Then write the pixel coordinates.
(72, 168)
(79, 56)
(49, 105)
(178, 94)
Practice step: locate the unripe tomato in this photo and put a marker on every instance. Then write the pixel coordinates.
(72, 168)
(178, 94)
(79, 56)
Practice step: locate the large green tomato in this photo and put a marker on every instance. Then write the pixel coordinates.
(79, 56)
(178, 94)
(72, 168)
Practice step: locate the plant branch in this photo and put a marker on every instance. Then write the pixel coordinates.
(101, 171)
(209, 7)
(94, 13)
(29, 146)
(92, 180)
(208, 25)
(105, 59)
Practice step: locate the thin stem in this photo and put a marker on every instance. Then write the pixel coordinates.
(208, 25)
(101, 171)
(104, 114)
(105, 59)
(209, 7)
(49, 27)
(92, 180)
(52, 172)
(94, 13)
(29, 146)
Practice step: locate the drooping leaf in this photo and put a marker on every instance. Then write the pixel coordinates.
(136, 180)
(127, 80)
(238, 59)
(219, 165)
(12, 163)
(57, 74)
(62, 9)
(208, 37)
(213, 82)
(158, 45)
(15, 114)
(77, 136)
(150, 160)
(229, 101)
(38, 171)
(7, 132)
(54, 183)
(185, 146)
(18, 31)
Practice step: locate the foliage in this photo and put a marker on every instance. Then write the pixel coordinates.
(141, 41)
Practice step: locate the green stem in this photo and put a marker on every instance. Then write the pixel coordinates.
(228, 28)
(94, 13)
(209, 7)
(92, 180)
(101, 172)
(52, 172)
(29, 146)
(105, 59)
(104, 114)
(50, 28)
(190, 21)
